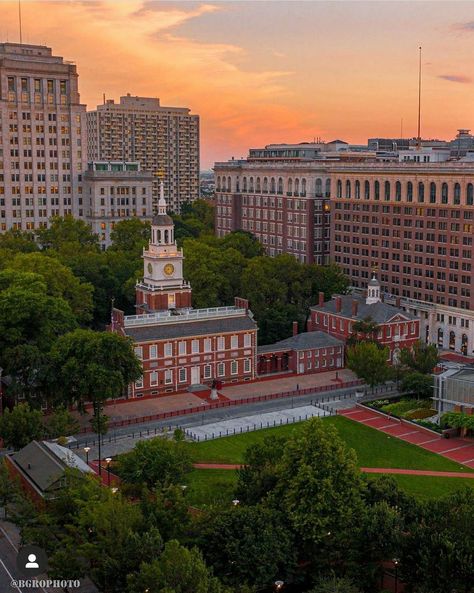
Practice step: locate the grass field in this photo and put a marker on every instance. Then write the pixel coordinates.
(373, 448)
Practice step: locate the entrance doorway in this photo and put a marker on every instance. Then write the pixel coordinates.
(195, 376)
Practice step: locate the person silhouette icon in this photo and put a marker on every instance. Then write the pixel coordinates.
(31, 562)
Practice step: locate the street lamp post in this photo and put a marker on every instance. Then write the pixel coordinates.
(108, 460)
(279, 585)
(396, 562)
(87, 449)
(236, 502)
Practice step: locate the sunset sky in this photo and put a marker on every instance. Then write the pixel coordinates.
(263, 72)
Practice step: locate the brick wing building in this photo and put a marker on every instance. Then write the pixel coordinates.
(397, 329)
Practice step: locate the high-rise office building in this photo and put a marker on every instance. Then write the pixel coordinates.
(42, 137)
(414, 223)
(164, 140)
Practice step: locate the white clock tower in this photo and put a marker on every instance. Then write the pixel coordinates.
(163, 286)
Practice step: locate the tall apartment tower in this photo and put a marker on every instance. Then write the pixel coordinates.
(164, 140)
(42, 137)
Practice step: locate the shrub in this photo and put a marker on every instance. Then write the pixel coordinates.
(420, 414)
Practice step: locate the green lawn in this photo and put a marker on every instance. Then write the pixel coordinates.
(373, 448)
(426, 487)
(207, 487)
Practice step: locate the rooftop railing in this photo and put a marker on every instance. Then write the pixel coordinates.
(164, 317)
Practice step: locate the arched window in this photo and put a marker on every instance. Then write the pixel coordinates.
(290, 186)
(444, 193)
(357, 189)
(367, 190)
(377, 190)
(409, 191)
(159, 236)
(244, 184)
(432, 192)
(387, 191)
(464, 344)
(265, 185)
(280, 185)
(251, 185)
(297, 187)
(452, 340)
(440, 337)
(328, 188)
(272, 185)
(457, 193)
(339, 189)
(319, 187)
(219, 184)
(258, 188)
(303, 187)
(398, 191)
(421, 191)
(229, 184)
(470, 194)
(167, 236)
(348, 189)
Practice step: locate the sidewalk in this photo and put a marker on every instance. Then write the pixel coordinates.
(139, 408)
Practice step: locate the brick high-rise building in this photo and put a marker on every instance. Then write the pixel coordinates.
(42, 137)
(164, 140)
(280, 194)
(414, 224)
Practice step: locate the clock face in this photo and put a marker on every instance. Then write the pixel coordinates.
(150, 269)
(168, 269)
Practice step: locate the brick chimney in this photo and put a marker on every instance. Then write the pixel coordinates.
(295, 328)
(321, 299)
(355, 307)
(398, 302)
(338, 304)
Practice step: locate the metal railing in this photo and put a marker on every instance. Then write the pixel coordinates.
(167, 317)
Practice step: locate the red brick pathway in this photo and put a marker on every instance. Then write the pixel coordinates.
(456, 449)
(365, 470)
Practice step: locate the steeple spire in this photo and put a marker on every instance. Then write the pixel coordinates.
(162, 201)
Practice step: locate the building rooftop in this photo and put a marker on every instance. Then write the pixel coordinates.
(304, 341)
(379, 312)
(184, 326)
(44, 463)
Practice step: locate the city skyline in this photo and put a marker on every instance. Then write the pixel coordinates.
(250, 84)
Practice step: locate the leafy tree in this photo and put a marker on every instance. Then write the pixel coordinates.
(155, 461)
(319, 492)
(177, 570)
(59, 281)
(18, 241)
(88, 366)
(421, 358)
(334, 585)
(258, 476)
(10, 490)
(61, 423)
(167, 510)
(243, 242)
(418, 384)
(30, 322)
(437, 553)
(130, 236)
(235, 538)
(363, 330)
(68, 234)
(20, 426)
(369, 362)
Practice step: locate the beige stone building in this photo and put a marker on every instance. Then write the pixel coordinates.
(115, 192)
(164, 140)
(42, 137)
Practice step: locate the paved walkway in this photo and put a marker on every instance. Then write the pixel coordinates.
(365, 470)
(138, 408)
(456, 449)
